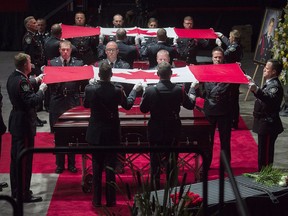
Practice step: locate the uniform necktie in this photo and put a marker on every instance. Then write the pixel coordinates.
(65, 62)
(111, 64)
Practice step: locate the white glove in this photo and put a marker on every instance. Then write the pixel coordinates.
(195, 85)
(175, 40)
(253, 87)
(138, 87)
(139, 39)
(219, 34)
(39, 78)
(92, 81)
(218, 42)
(101, 38)
(42, 68)
(144, 86)
(43, 87)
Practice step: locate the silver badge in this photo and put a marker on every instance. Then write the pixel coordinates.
(28, 40)
(25, 87)
(273, 90)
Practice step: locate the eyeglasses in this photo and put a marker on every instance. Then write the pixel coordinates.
(111, 50)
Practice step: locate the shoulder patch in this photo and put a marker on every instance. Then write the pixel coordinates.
(273, 90)
(28, 39)
(231, 48)
(25, 86)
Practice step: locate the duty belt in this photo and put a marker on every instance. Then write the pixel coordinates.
(68, 92)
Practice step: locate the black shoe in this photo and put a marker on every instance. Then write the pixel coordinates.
(42, 121)
(59, 170)
(73, 169)
(96, 204)
(31, 199)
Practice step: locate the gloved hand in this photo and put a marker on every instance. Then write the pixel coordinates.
(39, 78)
(195, 85)
(252, 86)
(218, 42)
(139, 39)
(219, 34)
(92, 81)
(144, 86)
(42, 68)
(43, 87)
(175, 41)
(138, 87)
(101, 38)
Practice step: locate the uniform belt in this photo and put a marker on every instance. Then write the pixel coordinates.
(68, 92)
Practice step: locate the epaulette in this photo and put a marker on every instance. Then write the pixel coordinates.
(28, 39)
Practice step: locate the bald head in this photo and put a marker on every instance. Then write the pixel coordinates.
(56, 30)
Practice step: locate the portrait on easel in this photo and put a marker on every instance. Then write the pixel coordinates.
(264, 46)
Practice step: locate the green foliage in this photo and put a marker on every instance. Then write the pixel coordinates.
(280, 45)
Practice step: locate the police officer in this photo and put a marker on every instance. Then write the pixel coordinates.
(267, 123)
(128, 53)
(188, 47)
(152, 49)
(64, 96)
(22, 121)
(233, 54)
(163, 101)
(51, 45)
(104, 128)
(86, 46)
(217, 106)
(42, 34)
(32, 45)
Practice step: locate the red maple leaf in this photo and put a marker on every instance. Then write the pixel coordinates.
(146, 32)
(139, 75)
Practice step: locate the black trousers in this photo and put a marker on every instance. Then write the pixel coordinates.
(18, 144)
(266, 144)
(107, 162)
(224, 126)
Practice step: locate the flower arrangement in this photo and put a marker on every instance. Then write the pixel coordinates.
(280, 45)
(190, 199)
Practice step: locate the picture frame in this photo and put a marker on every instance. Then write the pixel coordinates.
(263, 50)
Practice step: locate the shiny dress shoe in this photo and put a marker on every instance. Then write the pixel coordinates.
(96, 204)
(42, 121)
(73, 169)
(3, 185)
(39, 123)
(31, 199)
(59, 170)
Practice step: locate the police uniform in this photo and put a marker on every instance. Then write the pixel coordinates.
(103, 99)
(42, 37)
(33, 47)
(188, 49)
(128, 53)
(22, 125)
(233, 54)
(217, 110)
(63, 96)
(267, 123)
(51, 47)
(153, 49)
(86, 49)
(163, 101)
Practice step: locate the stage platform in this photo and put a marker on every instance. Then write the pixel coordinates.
(260, 199)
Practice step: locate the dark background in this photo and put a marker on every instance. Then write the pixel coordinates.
(220, 15)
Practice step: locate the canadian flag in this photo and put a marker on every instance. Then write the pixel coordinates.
(69, 31)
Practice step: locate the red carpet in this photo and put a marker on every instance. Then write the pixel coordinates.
(68, 198)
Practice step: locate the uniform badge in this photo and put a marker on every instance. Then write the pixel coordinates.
(232, 49)
(25, 87)
(273, 90)
(28, 39)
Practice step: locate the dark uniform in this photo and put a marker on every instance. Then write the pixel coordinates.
(42, 37)
(86, 49)
(233, 54)
(33, 47)
(51, 47)
(264, 49)
(128, 53)
(22, 125)
(188, 49)
(267, 123)
(63, 96)
(104, 129)
(217, 109)
(152, 50)
(163, 101)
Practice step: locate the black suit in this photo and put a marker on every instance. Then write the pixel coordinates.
(51, 47)
(63, 96)
(163, 101)
(267, 123)
(103, 99)
(22, 125)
